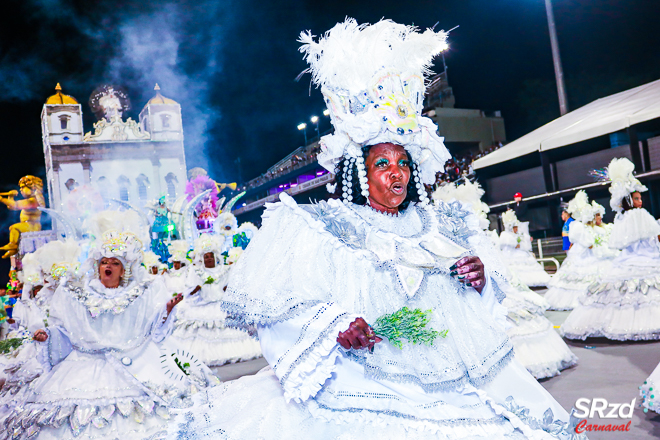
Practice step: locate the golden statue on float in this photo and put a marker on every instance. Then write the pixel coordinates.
(30, 220)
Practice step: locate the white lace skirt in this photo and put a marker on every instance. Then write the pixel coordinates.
(253, 407)
(624, 305)
(571, 281)
(538, 347)
(525, 268)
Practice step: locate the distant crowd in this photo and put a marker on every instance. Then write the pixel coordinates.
(457, 166)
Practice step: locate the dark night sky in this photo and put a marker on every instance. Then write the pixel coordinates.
(231, 64)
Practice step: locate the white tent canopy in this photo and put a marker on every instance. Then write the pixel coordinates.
(603, 116)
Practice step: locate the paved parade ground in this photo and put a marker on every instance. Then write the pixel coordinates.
(607, 369)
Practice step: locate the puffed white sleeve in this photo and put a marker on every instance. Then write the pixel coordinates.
(579, 234)
(303, 350)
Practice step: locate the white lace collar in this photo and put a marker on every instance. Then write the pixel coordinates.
(99, 299)
(405, 224)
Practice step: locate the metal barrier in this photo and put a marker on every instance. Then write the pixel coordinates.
(549, 259)
(539, 244)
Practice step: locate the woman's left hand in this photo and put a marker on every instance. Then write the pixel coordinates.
(470, 270)
(173, 302)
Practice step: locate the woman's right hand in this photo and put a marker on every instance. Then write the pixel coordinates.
(358, 336)
(196, 289)
(40, 336)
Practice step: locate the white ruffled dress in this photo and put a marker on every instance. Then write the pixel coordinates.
(176, 281)
(108, 378)
(625, 304)
(312, 270)
(519, 259)
(537, 345)
(25, 363)
(579, 270)
(200, 324)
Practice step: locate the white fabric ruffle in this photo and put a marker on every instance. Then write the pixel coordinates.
(624, 304)
(200, 325)
(632, 226)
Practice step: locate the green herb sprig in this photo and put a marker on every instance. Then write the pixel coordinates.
(209, 280)
(407, 324)
(10, 344)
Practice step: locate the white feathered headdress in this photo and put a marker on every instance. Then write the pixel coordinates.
(150, 260)
(57, 259)
(509, 219)
(598, 208)
(580, 208)
(226, 224)
(249, 229)
(178, 250)
(469, 193)
(31, 272)
(372, 79)
(207, 243)
(624, 183)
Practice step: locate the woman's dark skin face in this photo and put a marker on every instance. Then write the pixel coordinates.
(176, 265)
(209, 260)
(388, 174)
(154, 270)
(636, 200)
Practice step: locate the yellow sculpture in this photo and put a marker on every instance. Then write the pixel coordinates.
(32, 190)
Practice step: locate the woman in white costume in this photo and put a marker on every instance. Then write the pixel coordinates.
(200, 324)
(516, 246)
(537, 346)
(108, 378)
(152, 265)
(581, 267)
(625, 303)
(603, 232)
(176, 278)
(22, 365)
(315, 275)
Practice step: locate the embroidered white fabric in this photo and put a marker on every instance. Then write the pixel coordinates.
(370, 264)
(200, 323)
(321, 266)
(578, 271)
(516, 252)
(625, 302)
(632, 226)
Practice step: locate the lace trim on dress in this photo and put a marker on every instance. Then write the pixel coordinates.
(376, 372)
(97, 303)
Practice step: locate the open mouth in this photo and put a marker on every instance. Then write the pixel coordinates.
(108, 272)
(398, 188)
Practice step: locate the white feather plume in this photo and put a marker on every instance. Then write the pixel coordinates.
(349, 54)
(580, 208)
(121, 221)
(509, 219)
(179, 250)
(620, 172)
(598, 208)
(150, 259)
